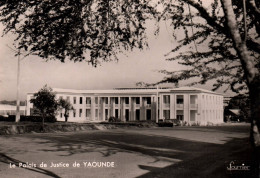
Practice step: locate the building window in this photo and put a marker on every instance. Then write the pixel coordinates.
(126, 100)
(179, 115)
(166, 114)
(88, 112)
(61, 115)
(96, 113)
(137, 100)
(74, 100)
(193, 99)
(96, 100)
(74, 113)
(179, 99)
(166, 99)
(68, 98)
(80, 100)
(106, 100)
(80, 112)
(106, 114)
(116, 113)
(193, 115)
(149, 101)
(116, 100)
(88, 100)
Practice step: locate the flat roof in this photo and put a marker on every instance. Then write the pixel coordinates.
(136, 91)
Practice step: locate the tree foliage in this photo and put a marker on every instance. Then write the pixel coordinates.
(44, 101)
(212, 52)
(242, 103)
(66, 105)
(74, 29)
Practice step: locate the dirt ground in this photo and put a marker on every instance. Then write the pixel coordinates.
(132, 152)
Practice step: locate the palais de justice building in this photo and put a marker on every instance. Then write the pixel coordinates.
(189, 104)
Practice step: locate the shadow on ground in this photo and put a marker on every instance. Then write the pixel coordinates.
(197, 159)
(8, 160)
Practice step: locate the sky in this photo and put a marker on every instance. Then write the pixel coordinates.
(132, 67)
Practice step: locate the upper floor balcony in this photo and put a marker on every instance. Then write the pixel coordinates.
(148, 105)
(193, 106)
(166, 105)
(137, 105)
(179, 106)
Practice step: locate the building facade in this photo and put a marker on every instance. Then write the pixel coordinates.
(191, 105)
(7, 109)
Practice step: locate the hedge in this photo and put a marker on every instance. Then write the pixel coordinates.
(11, 118)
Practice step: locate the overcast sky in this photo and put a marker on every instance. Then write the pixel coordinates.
(131, 68)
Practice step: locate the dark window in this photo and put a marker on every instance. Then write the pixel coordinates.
(80, 112)
(137, 114)
(116, 113)
(80, 100)
(74, 100)
(137, 100)
(74, 113)
(149, 101)
(148, 114)
(126, 100)
(116, 100)
(127, 114)
(179, 99)
(106, 100)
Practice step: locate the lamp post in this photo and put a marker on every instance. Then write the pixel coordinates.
(157, 105)
(17, 116)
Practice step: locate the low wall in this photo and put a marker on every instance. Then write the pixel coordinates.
(21, 128)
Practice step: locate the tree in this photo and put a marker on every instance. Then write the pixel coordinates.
(226, 48)
(44, 101)
(66, 105)
(75, 29)
(242, 103)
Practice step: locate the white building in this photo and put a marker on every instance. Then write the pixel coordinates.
(7, 109)
(191, 105)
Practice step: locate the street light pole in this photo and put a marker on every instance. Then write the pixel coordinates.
(157, 105)
(17, 117)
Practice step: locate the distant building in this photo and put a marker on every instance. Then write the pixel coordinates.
(226, 100)
(6, 109)
(191, 105)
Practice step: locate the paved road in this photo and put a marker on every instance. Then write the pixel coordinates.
(156, 152)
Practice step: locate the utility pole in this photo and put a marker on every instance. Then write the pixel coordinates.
(17, 116)
(157, 105)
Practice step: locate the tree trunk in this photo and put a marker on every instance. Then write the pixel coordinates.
(43, 118)
(252, 77)
(254, 93)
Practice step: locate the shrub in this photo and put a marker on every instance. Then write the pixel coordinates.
(113, 119)
(11, 118)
